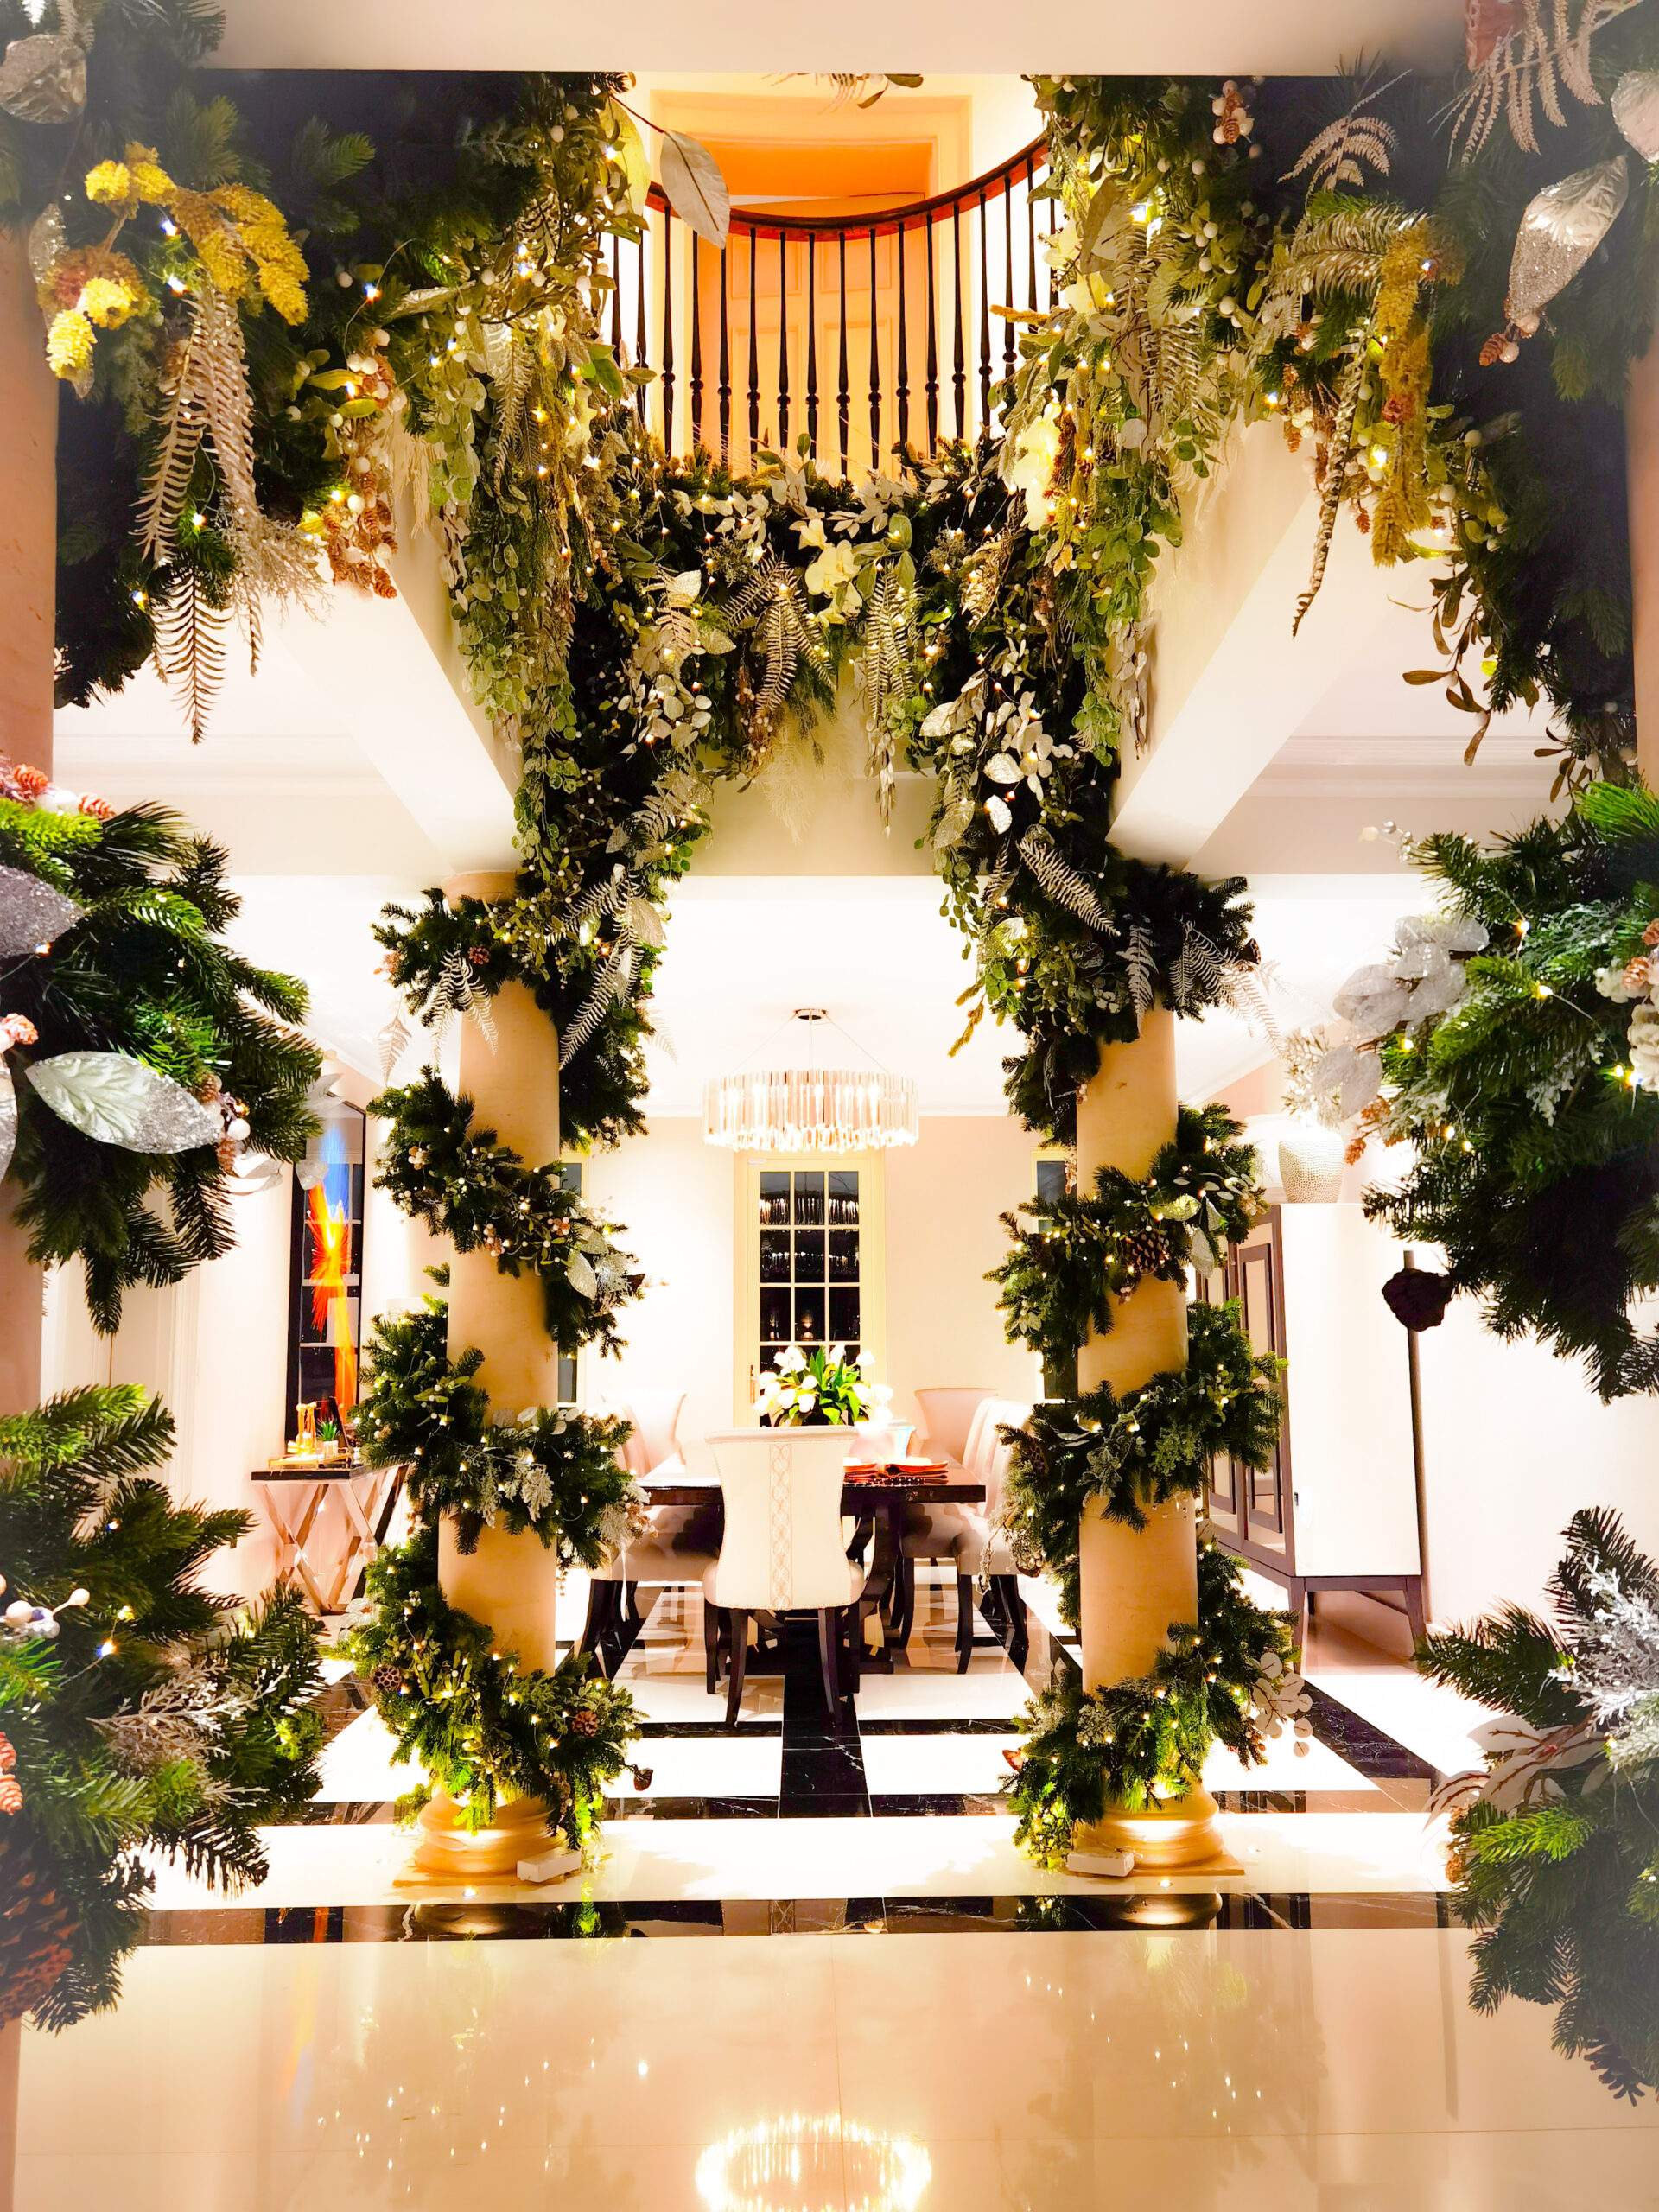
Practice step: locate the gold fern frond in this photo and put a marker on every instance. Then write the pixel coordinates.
(190, 627)
(1527, 70)
(184, 419)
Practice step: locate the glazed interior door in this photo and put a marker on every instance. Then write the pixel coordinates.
(1252, 1506)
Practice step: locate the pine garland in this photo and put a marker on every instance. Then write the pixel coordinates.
(1530, 1101)
(1141, 1450)
(1080, 1255)
(144, 971)
(1556, 1845)
(480, 1727)
(558, 1473)
(1139, 1742)
(144, 1714)
(480, 1194)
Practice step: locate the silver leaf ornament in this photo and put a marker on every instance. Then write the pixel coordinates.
(43, 80)
(1561, 228)
(1374, 1000)
(47, 240)
(1635, 111)
(580, 1273)
(31, 912)
(117, 1100)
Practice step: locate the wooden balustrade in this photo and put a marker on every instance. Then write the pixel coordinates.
(788, 305)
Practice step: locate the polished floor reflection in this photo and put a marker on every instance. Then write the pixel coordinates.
(901, 2014)
(1240, 2069)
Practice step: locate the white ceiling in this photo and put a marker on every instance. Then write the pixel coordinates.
(1212, 37)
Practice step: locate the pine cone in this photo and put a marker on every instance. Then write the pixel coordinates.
(38, 1926)
(584, 1723)
(388, 1680)
(1145, 1251)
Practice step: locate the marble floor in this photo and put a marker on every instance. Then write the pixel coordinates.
(1296, 2036)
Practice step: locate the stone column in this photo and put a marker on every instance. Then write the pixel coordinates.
(1134, 1583)
(29, 436)
(509, 1581)
(1642, 466)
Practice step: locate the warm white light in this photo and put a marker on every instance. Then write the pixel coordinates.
(810, 1108)
(781, 2166)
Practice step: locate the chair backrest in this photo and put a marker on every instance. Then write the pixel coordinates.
(655, 1416)
(783, 1545)
(947, 1417)
(991, 1455)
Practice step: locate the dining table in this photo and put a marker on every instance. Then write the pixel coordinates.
(880, 1497)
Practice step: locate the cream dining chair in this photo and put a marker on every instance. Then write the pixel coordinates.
(968, 1535)
(783, 1551)
(682, 1540)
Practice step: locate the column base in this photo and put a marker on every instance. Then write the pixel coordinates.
(1180, 1836)
(446, 1850)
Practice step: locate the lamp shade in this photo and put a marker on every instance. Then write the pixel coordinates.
(809, 1109)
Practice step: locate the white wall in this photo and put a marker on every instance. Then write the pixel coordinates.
(1516, 1442)
(676, 1197)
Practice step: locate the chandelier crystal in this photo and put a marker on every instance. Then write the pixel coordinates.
(810, 1108)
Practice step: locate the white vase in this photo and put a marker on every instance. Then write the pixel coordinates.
(1311, 1162)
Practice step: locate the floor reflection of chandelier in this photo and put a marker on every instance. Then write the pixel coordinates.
(795, 2165)
(810, 1107)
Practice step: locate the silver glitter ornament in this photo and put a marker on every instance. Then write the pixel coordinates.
(8, 1117)
(43, 80)
(31, 912)
(47, 241)
(117, 1100)
(1561, 228)
(1635, 111)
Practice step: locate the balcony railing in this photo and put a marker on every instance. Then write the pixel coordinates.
(868, 336)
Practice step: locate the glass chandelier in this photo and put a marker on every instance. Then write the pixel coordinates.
(811, 1108)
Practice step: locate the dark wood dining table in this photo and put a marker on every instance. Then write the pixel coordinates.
(869, 1498)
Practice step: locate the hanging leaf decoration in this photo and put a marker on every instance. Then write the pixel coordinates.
(636, 162)
(696, 189)
(115, 1099)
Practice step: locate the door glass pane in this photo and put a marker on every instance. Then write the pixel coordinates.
(844, 1198)
(843, 1255)
(774, 1197)
(809, 1317)
(809, 1201)
(774, 1256)
(808, 1255)
(774, 1317)
(844, 1315)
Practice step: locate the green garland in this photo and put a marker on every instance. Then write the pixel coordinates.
(1067, 1271)
(1531, 1102)
(1141, 1741)
(143, 970)
(557, 1473)
(1556, 1851)
(481, 1727)
(148, 1716)
(439, 952)
(1141, 1450)
(480, 1194)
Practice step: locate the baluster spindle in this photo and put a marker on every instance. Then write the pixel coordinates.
(812, 341)
(875, 368)
(782, 342)
(1007, 278)
(641, 335)
(984, 319)
(902, 391)
(1031, 237)
(616, 295)
(755, 354)
(1053, 225)
(725, 367)
(843, 394)
(959, 365)
(932, 378)
(696, 342)
(668, 333)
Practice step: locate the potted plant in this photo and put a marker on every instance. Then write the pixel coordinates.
(820, 1390)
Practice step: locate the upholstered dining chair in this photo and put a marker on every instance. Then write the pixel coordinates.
(968, 1535)
(782, 1550)
(947, 1416)
(682, 1540)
